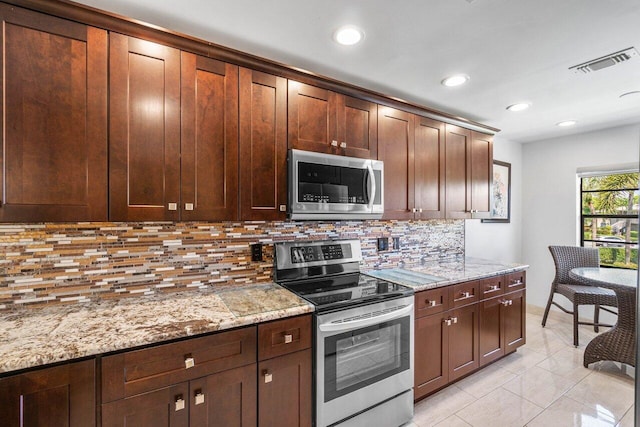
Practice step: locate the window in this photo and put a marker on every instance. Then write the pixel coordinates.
(609, 217)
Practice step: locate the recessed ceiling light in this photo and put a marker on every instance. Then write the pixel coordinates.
(635, 92)
(519, 106)
(566, 123)
(455, 80)
(348, 35)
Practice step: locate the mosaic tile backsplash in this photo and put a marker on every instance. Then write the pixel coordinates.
(43, 264)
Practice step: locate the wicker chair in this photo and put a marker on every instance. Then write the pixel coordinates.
(566, 258)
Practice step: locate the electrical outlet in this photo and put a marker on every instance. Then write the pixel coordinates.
(256, 252)
(383, 244)
(396, 243)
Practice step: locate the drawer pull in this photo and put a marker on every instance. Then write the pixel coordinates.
(179, 403)
(334, 143)
(343, 145)
(447, 322)
(466, 295)
(189, 362)
(516, 282)
(414, 210)
(494, 288)
(199, 397)
(432, 303)
(454, 319)
(268, 376)
(288, 338)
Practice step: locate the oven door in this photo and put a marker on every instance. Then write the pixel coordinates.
(364, 357)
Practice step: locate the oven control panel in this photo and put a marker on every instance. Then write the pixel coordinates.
(302, 254)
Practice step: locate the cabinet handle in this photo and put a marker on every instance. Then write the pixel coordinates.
(343, 145)
(510, 302)
(447, 322)
(431, 303)
(334, 143)
(268, 376)
(283, 208)
(179, 403)
(172, 207)
(516, 282)
(494, 287)
(199, 397)
(507, 302)
(454, 319)
(466, 295)
(188, 206)
(414, 210)
(420, 210)
(189, 361)
(288, 338)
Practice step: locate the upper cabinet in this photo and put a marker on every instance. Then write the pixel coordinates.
(263, 146)
(469, 170)
(54, 119)
(412, 148)
(144, 130)
(327, 122)
(173, 134)
(209, 141)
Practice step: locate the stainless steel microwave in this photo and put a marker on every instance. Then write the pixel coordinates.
(326, 186)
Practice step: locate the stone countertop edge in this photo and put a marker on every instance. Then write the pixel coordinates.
(37, 337)
(459, 270)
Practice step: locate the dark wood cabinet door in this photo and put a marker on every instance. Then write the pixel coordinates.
(463, 341)
(227, 399)
(144, 130)
(263, 146)
(491, 337)
(54, 119)
(209, 139)
(481, 177)
(515, 320)
(457, 170)
(59, 396)
(395, 148)
(429, 168)
(357, 127)
(431, 361)
(167, 407)
(312, 118)
(284, 391)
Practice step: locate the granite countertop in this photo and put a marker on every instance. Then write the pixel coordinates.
(30, 338)
(435, 274)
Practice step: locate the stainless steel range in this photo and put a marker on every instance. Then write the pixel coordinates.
(363, 334)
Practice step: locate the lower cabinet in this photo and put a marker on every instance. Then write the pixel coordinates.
(285, 391)
(57, 396)
(224, 399)
(453, 340)
(253, 376)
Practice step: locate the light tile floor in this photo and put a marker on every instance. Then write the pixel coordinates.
(543, 384)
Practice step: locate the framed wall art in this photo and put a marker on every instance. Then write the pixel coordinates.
(501, 193)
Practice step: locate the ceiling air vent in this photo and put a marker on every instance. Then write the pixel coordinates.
(605, 61)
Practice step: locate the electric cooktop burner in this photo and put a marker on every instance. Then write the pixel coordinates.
(327, 275)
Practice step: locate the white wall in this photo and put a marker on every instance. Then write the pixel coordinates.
(500, 241)
(550, 213)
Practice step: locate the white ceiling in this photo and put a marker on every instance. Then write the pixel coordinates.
(513, 50)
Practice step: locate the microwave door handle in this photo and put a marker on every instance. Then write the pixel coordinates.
(362, 323)
(372, 186)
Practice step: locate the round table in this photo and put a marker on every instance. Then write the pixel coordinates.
(619, 343)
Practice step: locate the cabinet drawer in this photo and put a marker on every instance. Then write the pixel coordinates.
(515, 281)
(431, 301)
(491, 287)
(140, 371)
(464, 293)
(284, 336)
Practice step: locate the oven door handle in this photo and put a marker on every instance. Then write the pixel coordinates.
(361, 323)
